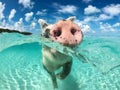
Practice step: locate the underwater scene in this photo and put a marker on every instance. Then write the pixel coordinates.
(96, 63)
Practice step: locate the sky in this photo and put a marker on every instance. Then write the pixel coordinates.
(92, 16)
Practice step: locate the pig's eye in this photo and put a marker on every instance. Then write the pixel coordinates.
(57, 32)
(73, 30)
(46, 33)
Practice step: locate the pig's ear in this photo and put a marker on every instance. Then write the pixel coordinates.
(72, 18)
(43, 23)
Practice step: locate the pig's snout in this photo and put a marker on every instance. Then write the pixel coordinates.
(70, 37)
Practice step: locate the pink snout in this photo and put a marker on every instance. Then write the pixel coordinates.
(70, 37)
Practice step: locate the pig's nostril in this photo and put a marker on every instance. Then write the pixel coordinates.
(73, 30)
(57, 33)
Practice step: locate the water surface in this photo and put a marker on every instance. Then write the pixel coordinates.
(21, 67)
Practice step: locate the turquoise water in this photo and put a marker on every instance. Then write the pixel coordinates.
(21, 68)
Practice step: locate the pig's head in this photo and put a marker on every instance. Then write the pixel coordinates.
(64, 31)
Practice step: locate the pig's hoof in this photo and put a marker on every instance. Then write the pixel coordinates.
(60, 76)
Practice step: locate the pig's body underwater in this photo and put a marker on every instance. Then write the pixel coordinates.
(67, 33)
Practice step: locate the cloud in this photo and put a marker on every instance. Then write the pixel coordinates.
(109, 12)
(19, 25)
(2, 23)
(71, 9)
(101, 17)
(43, 12)
(84, 27)
(68, 9)
(106, 27)
(87, 1)
(90, 18)
(2, 7)
(33, 25)
(91, 10)
(19, 22)
(57, 18)
(26, 3)
(12, 14)
(104, 17)
(28, 16)
(112, 10)
(106, 13)
(116, 24)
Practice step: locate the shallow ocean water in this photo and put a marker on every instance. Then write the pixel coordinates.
(21, 67)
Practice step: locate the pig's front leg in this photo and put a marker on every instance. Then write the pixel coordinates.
(66, 70)
(53, 77)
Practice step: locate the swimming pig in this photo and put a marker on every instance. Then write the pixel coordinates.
(66, 33)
